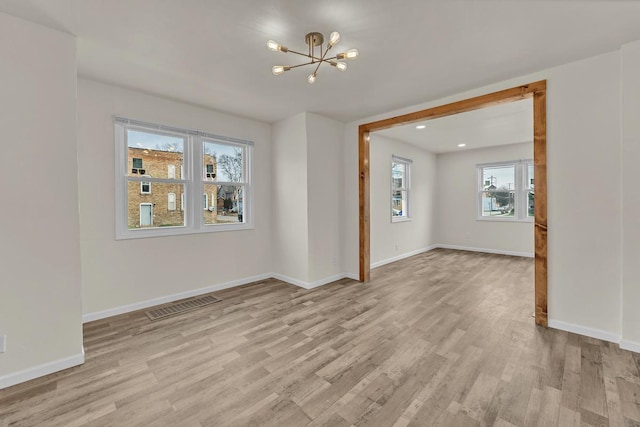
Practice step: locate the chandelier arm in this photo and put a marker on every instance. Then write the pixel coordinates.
(305, 55)
(328, 60)
(322, 59)
(301, 65)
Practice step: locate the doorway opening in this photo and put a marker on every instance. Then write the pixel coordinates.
(535, 91)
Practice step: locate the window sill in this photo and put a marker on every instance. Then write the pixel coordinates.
(502, 219)
(146, 233)
(400, 219)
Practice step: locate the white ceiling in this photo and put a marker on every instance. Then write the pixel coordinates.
(503, 124)
(212, 53)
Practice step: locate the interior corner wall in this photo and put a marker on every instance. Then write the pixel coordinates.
(324, 191)
(391, 241)
(631, 195)
(584, 161)
(119, 275)
(458, 225)
(40, 301)
(288, 193)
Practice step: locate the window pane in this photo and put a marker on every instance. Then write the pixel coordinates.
(530, 203)
(498, 203)
(157, 209)
(499, 178)
(530, 176)
(154, 155)
(228, 206)
(222, 162)
(398, 174)
(399, 203)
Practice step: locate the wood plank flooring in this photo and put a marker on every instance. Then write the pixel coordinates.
(445, 338)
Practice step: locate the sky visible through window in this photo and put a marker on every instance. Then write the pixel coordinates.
(501, 177)
(153, 141)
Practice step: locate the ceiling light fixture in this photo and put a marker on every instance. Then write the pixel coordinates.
(421, 127)
(317, 54)
(462, 145)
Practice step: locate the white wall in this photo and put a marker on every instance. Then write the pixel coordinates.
(40, 305)
(289, 198)
(631, 195)
(584, 214)
(458, 203)
(307, 190)
(117, 274)
(391, 241)
(325, 191)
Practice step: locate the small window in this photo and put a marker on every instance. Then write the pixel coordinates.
(400, 187)
(505, 191)
(171, 171)
(205, 201)
(181, 201)
(145, 187)
(137, 163)
(171, 201)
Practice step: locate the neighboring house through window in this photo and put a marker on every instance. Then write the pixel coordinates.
(149, 155)
(506, 191)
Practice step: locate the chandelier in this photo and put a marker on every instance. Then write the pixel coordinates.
(316, 54)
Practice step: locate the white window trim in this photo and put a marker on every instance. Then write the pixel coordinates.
(520, 192)
(171, 171)
(169, 201)
(407, 187)
(190, 178)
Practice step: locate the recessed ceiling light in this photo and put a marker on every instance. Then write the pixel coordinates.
(420, 127)
(462, 145)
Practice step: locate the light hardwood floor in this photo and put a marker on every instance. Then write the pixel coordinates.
(445, 338)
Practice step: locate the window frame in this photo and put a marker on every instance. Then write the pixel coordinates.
(405, 188)
(191, 180)
(520, 192)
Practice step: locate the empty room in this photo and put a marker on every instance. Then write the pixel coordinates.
(286, 213)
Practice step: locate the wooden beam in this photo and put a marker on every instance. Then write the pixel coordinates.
(483, 101)
(540, 204)
(363, 170)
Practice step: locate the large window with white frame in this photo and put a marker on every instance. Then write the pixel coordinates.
(210, 172)
(400, 188)
(506, 191)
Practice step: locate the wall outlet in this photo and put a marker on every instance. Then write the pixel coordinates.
(3, 343)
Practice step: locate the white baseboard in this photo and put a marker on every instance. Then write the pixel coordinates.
(317, 283)
(352, 276)
(489, 251)
(41, 370)
(402, 256)
(630, 345)
(583, 330)
(90, 317)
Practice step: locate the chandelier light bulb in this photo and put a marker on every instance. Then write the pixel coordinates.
(273, 45)
(279, 69)
(342, 66)
(334, 38)
(352, 53)
(312, 78)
